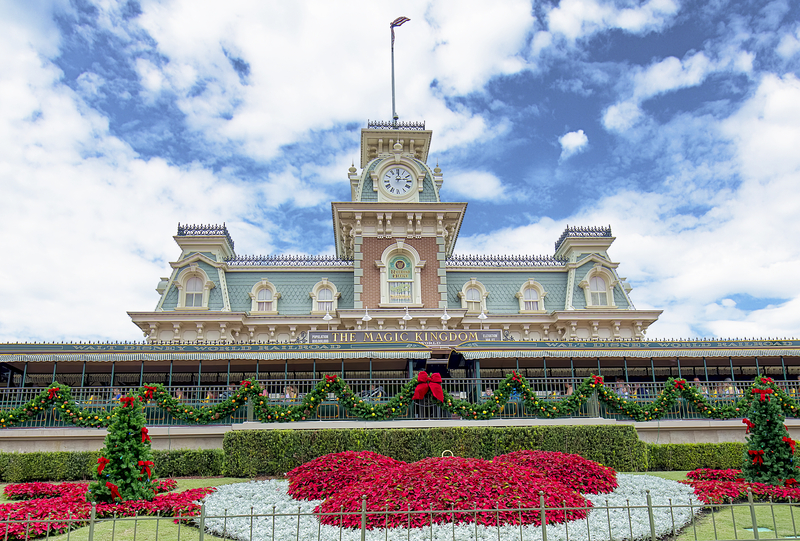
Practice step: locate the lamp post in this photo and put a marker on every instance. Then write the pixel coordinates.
(406, 318)
(327, 317)
(483, 318)
(367, 318)
(445, 317)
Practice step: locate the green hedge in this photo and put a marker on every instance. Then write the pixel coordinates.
(249, 453)
(690, 456)
(76, 465)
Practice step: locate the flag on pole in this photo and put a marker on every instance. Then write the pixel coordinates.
(397, 22)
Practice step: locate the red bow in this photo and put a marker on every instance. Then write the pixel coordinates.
(330, 379)
(765, 379)
(790, 441)
(516, 377)
(758, 456)
(792, 482)
(101, 464)
(750, 425)
(52, 391)
(148, 392)
(114, 491)
(763, 392)
(145, 436)
(679, 383)
(245, 384)
(435, 386)
(598, 380)
(127, 401)
(145, 465)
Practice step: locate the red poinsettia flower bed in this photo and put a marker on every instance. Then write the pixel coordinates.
(453, 485)
(68, 501)
(321, 477)
(578, 473)
(718, 486)
(707, 474)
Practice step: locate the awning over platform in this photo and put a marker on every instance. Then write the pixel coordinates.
(255, 356)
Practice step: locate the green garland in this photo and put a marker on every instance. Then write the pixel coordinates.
(59, 398)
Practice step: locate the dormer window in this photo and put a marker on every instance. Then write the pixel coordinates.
(193, 288)
(598, 286)
(473, 297)
(194, 292)
(597, 290)
(324, 297)
(531, 297)
(264, 298)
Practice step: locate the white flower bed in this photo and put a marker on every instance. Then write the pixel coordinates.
(261, 497)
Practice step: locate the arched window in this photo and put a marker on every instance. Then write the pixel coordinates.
(194, 292)
(264, 298)
(531, 297)
(325, 297)
(473, 297)
(598, 286)
(597, 289)
(193, 288)
(401, 280)
(400, 267)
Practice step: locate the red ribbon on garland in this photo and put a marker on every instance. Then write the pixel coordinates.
(245, 384)
(598, 380)
(765, 379)
(145, 435)
(114, 491)
(790, 441)
(148, 392)
(679, 383)
(425, 382)
(127, 401)
(145, 465)
(758, 456)
(102, 462)
(330, 379)
(750, 425)
(763, 393)
(515, 377)
(52, 391)
(791, 482)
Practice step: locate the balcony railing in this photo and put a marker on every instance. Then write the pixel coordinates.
(101, 400)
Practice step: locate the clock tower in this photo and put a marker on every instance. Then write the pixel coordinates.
(396, 229)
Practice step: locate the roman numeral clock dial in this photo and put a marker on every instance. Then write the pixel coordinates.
(398, 181)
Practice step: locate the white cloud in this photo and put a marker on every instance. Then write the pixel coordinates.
(789, 44)
(690, 264)
(621, 116)
(572, 143)
(577, 19)
(472, 185)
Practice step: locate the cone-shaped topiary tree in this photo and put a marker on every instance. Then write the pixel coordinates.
(125, 467)
(769, 454)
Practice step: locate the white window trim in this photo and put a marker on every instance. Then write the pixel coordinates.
(315, 311)
(473, 282)
(536, 286)
(193, 270)
(611, 282)
(263, 284)
(400, 248)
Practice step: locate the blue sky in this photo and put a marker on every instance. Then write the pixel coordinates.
(677, 123)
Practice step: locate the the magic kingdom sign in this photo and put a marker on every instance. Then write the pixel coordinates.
(428, 338)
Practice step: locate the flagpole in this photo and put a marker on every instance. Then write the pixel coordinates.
(394, 109)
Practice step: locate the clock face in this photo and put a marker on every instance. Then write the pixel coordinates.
(398, 181)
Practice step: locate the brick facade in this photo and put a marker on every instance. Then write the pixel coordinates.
(373, 248)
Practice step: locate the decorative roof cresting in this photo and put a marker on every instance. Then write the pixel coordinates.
(577, 232)
(202, 230)
(395, 125)
(287, 261)
(469, 260)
